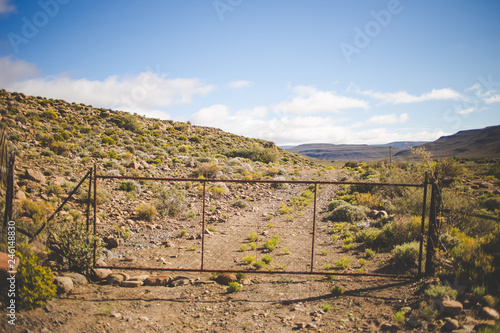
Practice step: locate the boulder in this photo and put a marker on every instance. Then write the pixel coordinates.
(63, 284)
(111, 242)
(36, 176)
(451, 307)
(160, 280)
(138, 278)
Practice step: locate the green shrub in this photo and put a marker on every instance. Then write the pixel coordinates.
(253, 237)
(400, 316)
(337, 291)
(130, 186)
(267, 259)
(233, 287)
(439, 291)
(208, 170)
(406, 255)
(348, 213)
(146, 211)
(259, 264)
(35, 283)
(343, 263)
(335, 204)
(107, 140)
(171, 201)
(247, 260)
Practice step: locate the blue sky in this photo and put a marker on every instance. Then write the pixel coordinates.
(290, 71)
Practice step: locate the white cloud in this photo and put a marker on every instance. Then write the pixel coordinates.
(143, 92)
(299, 129)
(387, 119)
(493, 99)
(240, 84)
(15, 70)
(308, 100)
(6, 7)
(403, 97)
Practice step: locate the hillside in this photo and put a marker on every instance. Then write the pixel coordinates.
(478, 143)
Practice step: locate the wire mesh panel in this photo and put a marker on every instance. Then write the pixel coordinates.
(233, 225)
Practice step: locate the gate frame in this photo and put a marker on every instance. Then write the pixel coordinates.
(429, 267)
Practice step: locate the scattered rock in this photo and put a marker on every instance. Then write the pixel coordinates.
(161, 280)
(78, 279)
(245, 281)
(387, 327)
(300, 325)
(226, 278)
(450, 324)
(36, 176)
(63, 284)
(116, 315)
(138, 278)
(490, 313)
(131, 283)
(111, 242)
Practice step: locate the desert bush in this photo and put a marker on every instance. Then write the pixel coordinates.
(128, 122)
(449, 171)
(337, 291)
(146, 211)
(406, 255)
(343, 263)
(348, 213)
(208, 170)
(107, 140)
(171, 201)
(255, 153)
(367, 200)
(130, 186)
(75, 243)
(35, 283)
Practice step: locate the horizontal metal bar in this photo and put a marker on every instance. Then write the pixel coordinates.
(269, 181)
(207, 270)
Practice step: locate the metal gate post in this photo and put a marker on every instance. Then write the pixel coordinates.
(422, 228)
(203, 227)
(314, 227)
(431, 237)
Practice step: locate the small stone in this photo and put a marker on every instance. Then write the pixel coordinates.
(116, 315)
(490, 313)
(144, 318)
(245, 281)
(450, 324)
(131, 284)
(179, 281)
(300, 325)
(111, 242)
(63, 284)
(100, 273)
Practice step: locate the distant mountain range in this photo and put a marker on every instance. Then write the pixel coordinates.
(476, 143)
(472, 143)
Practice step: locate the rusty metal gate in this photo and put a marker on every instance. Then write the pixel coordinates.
(221, 236)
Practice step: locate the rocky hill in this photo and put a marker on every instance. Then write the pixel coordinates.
(54, 138)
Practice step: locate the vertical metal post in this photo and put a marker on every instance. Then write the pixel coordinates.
(431, 237)
(422, 228)
(88, 199)
(314, 227)
(203, 227)
(9, 194)
(95, 212)
(390, 157)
